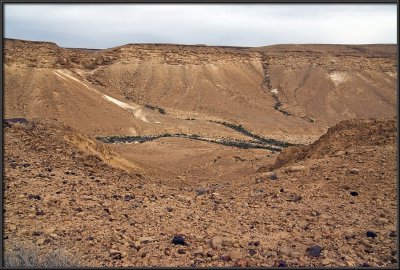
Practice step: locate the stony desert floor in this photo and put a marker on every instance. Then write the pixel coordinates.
(332, 203)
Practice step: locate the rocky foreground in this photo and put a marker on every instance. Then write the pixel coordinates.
(332, 203)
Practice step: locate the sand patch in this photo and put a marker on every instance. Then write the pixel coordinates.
(134, 109)
(337, 77)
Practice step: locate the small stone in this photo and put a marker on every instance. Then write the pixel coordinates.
(199, 251)
(201, 191)
(235, 255)
(371, 234)
(354, 171)
(136, 245)
(146, 240)
(216, 242)
(179, 240)
(181, 251)
(349, 235)
(383, 221)
(34, 197)
(282, 263)
(228, 242)
(273, 176)
(353, 193)
(128, 197)
(325, 262)
(295, 168)
(115, 254)
(242, 263)
(252, 252)
(42, 241)
(339, 153)
(314, 251)
(167, 251)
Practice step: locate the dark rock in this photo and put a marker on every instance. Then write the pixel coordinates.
(225, 258)
(90, 238)
(201, 191)
(40, 213)
(181, 251)
(354, 193)
(295, 198)
(273, 176)
(252, 252)
(371, 234)
(179, 240)
(314, 251)
(282, 263)
(128, 197)
(34, 197)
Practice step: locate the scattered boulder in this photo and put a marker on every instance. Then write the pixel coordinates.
(314, 251)
(216, 242)
(371, 234)
(179, 240)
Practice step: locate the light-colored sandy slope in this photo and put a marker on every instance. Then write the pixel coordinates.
(64, 95)
(135, 109)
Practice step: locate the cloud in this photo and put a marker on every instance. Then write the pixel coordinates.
(108, 25)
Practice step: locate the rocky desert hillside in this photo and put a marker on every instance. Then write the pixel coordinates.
(178, 155)
(332, 208)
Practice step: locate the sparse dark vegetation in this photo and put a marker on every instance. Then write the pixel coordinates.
(153, 107)
(278, 104)
(29, 255)
(266, 144)
(241, 129)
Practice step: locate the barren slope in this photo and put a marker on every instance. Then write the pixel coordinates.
(296, 90)
(59, 196)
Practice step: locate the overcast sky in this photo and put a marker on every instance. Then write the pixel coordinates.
(105, 26)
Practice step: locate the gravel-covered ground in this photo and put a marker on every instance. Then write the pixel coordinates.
(333, 206)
